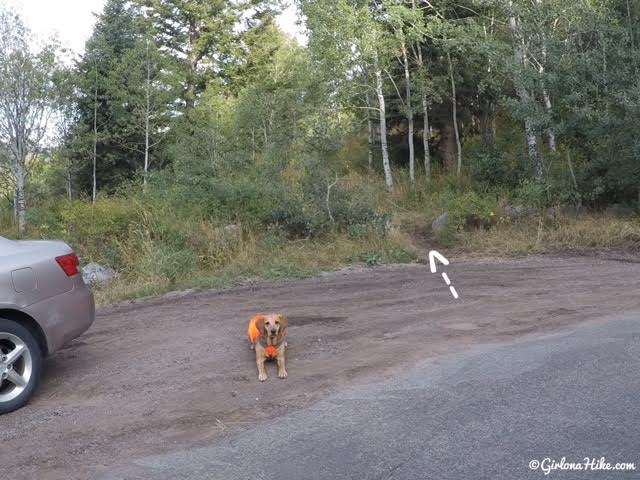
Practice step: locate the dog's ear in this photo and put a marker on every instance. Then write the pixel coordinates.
(284, 323)
(260, 326)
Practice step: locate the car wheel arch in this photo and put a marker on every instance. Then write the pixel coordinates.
(29, 323)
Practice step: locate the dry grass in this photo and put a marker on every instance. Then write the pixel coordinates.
(226, 256)
(537, 235)
(265, 256)
(156, 250)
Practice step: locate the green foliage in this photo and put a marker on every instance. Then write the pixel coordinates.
(287, 269)
(372, 258)
(533, 193)
(256, 146)
(494, 167)
(469, 210)
(122, 82)
(167, 261)
(104, 222)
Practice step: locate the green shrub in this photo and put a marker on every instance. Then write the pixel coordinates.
(296, 221)
(384, 255)
(166, 262)
(286, 269)
(353, 214)
(533, 193)
(108, 218)
(493, 168)
(46, 220)
(470, 210)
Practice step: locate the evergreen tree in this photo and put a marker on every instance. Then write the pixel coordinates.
(124, 100)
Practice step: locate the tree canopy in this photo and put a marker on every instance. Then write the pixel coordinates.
(527, 96)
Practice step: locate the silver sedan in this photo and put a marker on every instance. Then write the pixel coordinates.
(44, 303)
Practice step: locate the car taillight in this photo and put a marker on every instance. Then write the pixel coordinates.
(69, 263)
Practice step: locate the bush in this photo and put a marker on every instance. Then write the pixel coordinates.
(533, 193)
(90, 225)
(303, 211)
(470, 210)
(214, 245)
(493, 170)
(353, 214)
(165, 262)
(45, 219)
(296, 221)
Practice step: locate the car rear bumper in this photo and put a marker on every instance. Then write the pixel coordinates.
(65, 316)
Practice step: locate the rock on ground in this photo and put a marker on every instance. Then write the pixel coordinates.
(94, 273)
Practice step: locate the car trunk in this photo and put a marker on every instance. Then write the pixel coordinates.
(30, 269)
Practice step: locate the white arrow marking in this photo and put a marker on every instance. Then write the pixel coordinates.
(433, 256)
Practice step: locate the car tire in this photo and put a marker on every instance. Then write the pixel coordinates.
(20, 365)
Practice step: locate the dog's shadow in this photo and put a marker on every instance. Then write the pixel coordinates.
(308, 320)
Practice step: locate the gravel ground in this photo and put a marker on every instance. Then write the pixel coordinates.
(155, 376)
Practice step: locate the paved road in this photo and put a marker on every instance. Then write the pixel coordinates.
(482, 414)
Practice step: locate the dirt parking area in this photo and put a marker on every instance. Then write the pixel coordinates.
(176, 372)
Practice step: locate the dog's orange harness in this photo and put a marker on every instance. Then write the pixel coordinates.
(254, 337)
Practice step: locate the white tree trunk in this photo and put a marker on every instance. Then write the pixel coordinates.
(425, 136)
(146, 151)
(425, 123)
(95, 139)
(264, 132)
(532, 148)
(370, 133)
(523, 94)
(69, 192)
(253, 144)
(147, 115)
(21, 203)
(551, 136)
(388, 178)
(409, 107)
(454, 102)
(15, 204)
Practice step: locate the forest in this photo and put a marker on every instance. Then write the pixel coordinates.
(194, 143)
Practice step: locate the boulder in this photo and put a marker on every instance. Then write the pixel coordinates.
(439, 223)
(566, 211)
(518, 211)
(552, 212)
(94, 273)
(232, 228)
(618, 210)
(574, 210)
(581, 210)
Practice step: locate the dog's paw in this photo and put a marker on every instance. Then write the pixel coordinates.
(282, 374)
(262, 377)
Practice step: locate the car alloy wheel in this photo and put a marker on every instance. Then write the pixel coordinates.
(20, 365)
(16, 367)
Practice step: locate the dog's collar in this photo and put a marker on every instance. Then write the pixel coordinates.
(270, 349)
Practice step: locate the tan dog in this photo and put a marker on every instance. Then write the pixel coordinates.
(267, 336)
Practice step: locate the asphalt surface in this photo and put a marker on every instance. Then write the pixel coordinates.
(484, 413)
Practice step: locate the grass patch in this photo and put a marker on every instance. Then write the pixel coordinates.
(539, 235)
(159, 243)
(267, 256)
